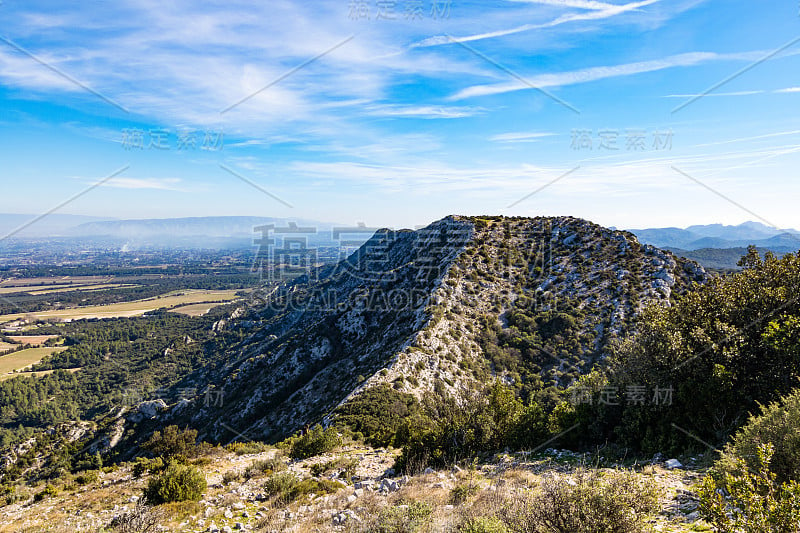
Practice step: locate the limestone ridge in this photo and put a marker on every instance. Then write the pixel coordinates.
(518, 276)
(312, 340)
(423, 309)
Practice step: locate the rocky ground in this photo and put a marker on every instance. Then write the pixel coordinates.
(233, 503)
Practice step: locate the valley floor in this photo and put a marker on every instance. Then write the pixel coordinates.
(430, 501)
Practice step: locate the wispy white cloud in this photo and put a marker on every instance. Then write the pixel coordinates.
(751, 138)
(629, 174)
(166, 70)
(580, 4)
(423, 111)
(520, 137)
(609, 11)
(161, 184)
(562, 79)
(249, 142)
(735, 93)
(426, 175)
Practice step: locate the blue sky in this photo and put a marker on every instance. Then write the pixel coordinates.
(399, 113)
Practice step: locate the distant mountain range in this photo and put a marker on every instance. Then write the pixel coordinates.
(194, 232)
(24, 227)
(720, 236)
(720, 246)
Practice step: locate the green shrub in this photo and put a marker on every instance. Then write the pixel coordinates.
(590, 500)
(448, 431)
(281, 485)
(345, 466)
(10, 494)
(47, 492)
(720, 359)
(247, 448)
(401, 518)
(177, 483)
(779, 426)
(150, 466)
(461, 493)
(231, 476)
(751, 501)
(314, 486)
(86, 477)
(285, 487)
(484, 524)
(314, 442)
(200, 462)
(172, 442)
(87, 461)
(264, 467)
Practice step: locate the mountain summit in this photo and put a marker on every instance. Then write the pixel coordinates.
(535, 301)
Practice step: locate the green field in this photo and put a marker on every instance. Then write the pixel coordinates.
(129, 309)
(23, 359)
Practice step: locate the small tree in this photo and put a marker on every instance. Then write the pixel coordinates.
(177, 483)
(173, 442)
(314, 442)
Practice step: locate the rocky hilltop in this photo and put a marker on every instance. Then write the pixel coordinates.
(534, 301)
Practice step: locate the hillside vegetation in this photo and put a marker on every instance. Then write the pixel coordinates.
(461, 361)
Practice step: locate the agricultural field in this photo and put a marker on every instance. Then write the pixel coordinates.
(23, 359)
(33, 340)
(82, 288)
(38, 292)
(25, 284)
(130, 309)
(36, 286)
(52, 280)
(194, 309)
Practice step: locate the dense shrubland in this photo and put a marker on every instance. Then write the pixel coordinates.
(722, 349)
(122, 361)
(714, 356)
(755, 484)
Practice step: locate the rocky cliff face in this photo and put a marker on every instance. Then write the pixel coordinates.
(545, 296)
(446, 307)
(313, 340)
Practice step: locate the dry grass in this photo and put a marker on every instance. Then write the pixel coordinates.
(497, 489)
(83, 288)
(129, 309)
(33, 340)
(23, 359)
(194, 309)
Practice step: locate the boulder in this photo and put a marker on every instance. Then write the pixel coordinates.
(672, 464)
